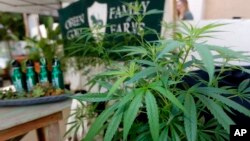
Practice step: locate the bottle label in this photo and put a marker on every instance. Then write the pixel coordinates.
(30, 84)
(30, 78)
(17, 79)
(44, 80)
(57, 80)
(43, 75)
(18, 85)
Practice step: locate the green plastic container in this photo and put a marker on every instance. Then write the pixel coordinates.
(56, 74)
(31, 78)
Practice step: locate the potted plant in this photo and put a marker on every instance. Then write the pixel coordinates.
(149, 98)
(45, 46)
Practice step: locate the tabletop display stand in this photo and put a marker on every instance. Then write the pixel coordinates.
(44, 118)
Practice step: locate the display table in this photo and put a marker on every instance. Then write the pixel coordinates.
(44, 118)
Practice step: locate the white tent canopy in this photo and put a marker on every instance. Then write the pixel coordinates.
(44, 7)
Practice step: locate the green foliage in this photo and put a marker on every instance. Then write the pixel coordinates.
(99, 122)
(207, 59)
(39, 90)
(190, 121)
(149, 99)
(81, 112)
(10, 94)
(131, 114)
(153, 115)
(217, 112)
(45, 46)
(12, 26)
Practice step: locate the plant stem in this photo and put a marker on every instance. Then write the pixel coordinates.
(185, 58)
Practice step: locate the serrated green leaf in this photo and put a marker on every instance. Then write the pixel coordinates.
(144, 136)
(133, 50)
(108, 73)
(104, 84)
(175, 135)
(99, 122)
(172, 45)
(200, 32)
(207, 60)
(190, 120)
(243, 85)
(128, 97)
(153, 115)
(215, 93)
(188, 64)
(131, 113)
(169, 96)
(70, 130)
(246, 91)
(146, 62)
(227, 53)
(204, 137)
(153, 11)
(113, 125)
(116, 85)
(93, 97)
(245, 70)
(164, 135)
(185, 28)
(155, 84)
(212, 90)
(217, 112)
(142, 74)
(118, 116)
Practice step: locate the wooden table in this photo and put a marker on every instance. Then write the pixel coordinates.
(44, 118)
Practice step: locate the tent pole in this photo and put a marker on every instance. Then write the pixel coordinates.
(26, 26)
(174, 15)
(174, 11)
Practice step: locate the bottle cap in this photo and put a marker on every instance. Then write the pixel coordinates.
(43, 61)
(56, 62)
(29, 63)
(15, 64)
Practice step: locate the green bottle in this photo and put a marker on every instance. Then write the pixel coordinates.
(43, 75)
(17, 76)
(31, 79)
(57, 75)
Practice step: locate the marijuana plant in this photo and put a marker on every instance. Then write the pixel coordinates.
(149, 98)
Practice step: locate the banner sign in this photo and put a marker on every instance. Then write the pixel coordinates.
(107, 13)
(72, 19)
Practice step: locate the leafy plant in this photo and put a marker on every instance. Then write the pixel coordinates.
(45, 46)
(149, 97)
(39, 90)
(80, 113)
(10, 94)
(12, 26)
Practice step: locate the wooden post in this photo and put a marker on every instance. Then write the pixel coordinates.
(169, 17)
(41, 136)
(54, 132)
(174, 11)
(26, 25)
(174, 16)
